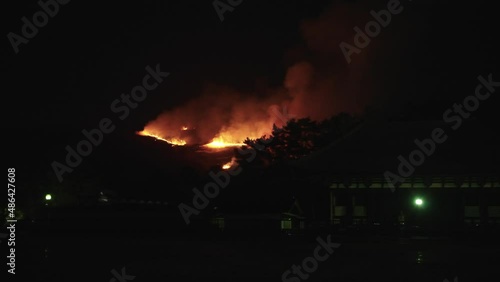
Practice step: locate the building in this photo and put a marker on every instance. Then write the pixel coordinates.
(454, 184)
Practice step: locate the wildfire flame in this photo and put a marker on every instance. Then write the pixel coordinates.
(219, 143)
(172, 141)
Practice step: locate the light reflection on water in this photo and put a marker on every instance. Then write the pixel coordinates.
(419, 257)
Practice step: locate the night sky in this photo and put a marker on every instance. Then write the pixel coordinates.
(65, 78)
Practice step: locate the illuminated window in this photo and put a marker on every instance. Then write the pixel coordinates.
(219, 222)
(286, 224)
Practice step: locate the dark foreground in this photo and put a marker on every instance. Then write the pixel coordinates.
(159, 256)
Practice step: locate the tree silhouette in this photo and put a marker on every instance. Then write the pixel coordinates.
(300, 137)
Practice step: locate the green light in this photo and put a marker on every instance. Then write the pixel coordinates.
(419, 202)
(48, 197)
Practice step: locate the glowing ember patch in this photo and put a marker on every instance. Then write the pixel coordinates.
(172, 141)
(229, 164)
(184, 128)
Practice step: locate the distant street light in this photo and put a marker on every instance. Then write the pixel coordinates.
(48, 197)
(419, 202)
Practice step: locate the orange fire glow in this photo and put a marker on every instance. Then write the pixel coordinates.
(172, 141)
(189, 127)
